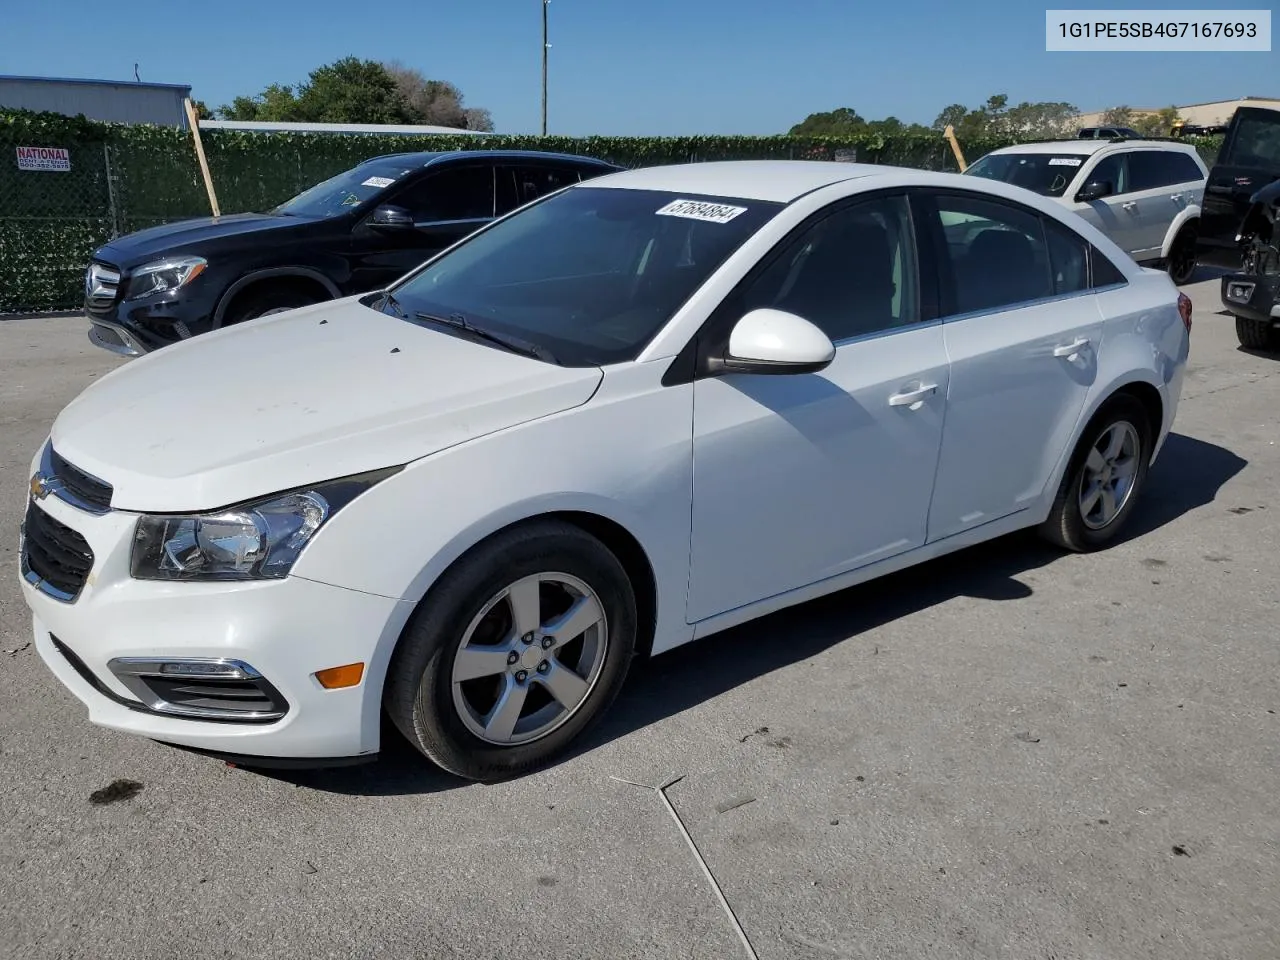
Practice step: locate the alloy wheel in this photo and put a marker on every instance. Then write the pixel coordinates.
(1110, 470)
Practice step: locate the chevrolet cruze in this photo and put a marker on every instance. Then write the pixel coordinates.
(635, 412)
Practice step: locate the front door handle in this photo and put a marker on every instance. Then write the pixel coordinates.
(1071, 350)
(1129, 206)
(913, 399)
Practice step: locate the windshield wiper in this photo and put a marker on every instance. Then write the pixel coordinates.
(514, 344)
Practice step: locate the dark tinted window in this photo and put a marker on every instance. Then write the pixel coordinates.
(1149, 169)
(590, 274)
(533, 182)
(996, 252)
(1256, 142)
(1048, 174)
(457, 193)
(1068, 258)
(1105, 273)
(851, 273)
(1114, 170)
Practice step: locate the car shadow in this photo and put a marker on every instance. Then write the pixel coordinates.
(1188, 475)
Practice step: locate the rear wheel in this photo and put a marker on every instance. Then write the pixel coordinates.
(519, 647)
(1103, 479)
(1257, 334)
(1182, 256)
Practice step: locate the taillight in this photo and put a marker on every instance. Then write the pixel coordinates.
(1184, 310)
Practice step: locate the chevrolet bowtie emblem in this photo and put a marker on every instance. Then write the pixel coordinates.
(39, 487)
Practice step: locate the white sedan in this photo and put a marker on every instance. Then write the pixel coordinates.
(633, 413)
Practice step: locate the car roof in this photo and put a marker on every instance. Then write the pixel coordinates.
(1090, 146)
(779, 181)
(428, 157)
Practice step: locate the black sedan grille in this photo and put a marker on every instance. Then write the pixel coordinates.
(79, 484)
(55, 554)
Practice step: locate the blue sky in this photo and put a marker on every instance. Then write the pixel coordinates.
(652, 67)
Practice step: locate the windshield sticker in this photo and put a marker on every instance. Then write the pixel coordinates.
(1064, 162)
(378, 182)
(698, 210)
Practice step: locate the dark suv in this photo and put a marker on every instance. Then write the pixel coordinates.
(1238, 224)
(357, 231)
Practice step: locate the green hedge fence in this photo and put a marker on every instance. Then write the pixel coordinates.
(126, 177)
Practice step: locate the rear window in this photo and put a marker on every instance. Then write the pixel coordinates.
(1048, 174)
(1256, 142)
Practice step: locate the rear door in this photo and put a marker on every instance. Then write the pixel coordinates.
(1163, 183)
(521, 183)
(1249, 160)
(1021, 330)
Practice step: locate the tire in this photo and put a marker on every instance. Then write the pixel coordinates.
(444, 713)
(268, 301)
(1257, 334)
(1068, 524)
(1181, 264)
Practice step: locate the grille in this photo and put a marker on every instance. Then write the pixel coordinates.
(79, 484)
(244, 700)
(101, 285)
(54, 553)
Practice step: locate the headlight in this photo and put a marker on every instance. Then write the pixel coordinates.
(164, 275)
(255, 541)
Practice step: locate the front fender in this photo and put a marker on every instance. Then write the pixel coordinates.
(1188, 214)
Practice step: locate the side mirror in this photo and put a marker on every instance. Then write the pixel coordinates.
(775, 342)
(1095, 190)
(389, 218)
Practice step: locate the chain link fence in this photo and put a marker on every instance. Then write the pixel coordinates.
(131, 178)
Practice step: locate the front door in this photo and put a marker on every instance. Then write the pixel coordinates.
(799, 478)
(1021, 330)
(446, 206)
(1117, 214)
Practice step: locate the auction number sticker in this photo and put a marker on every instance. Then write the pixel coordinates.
(1144, 30)
(1064, 162)
(701, 210)
(378, 182)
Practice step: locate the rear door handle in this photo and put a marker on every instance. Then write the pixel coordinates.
(913, 398)
(1176, 197)
(1071, 350)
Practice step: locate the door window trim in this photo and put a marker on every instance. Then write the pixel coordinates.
(927, 197)
(689, 364)
(431, 171)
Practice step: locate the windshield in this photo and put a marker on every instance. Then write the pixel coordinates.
(1047, 174)
(590, 274)
(339, 194)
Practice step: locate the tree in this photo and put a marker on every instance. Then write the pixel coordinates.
(202, 111)
(435, 102)
(950, 117)
(276, 103)
(834, 123)
(352, 91)
(1158, 124)
(996, 118)
(1118, 117)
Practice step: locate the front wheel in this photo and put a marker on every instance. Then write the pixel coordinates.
(1257, 334)
(519, 647)
(1103, 479)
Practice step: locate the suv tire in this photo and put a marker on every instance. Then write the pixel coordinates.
(266, 302)
(1257, 334)
(1182, 255)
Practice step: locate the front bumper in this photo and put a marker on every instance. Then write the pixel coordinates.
(286, 629)
(1252, 296)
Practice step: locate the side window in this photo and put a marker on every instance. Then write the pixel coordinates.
(852, 273)
(1179, 167)
(533, 182)
(1114, 170)
(997, 254)
(1105, 273)
(1068, 258)
(460, 193)
(1148, 170)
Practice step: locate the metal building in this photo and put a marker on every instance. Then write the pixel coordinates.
(113, 101)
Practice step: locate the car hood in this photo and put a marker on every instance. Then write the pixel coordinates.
(314, 394)
(134, 249)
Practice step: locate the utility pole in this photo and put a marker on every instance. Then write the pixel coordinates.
(545, 47)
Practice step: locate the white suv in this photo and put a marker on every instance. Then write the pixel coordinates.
(1143, 194)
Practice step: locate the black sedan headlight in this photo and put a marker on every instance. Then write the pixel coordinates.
(164, 275)
(253, 541)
